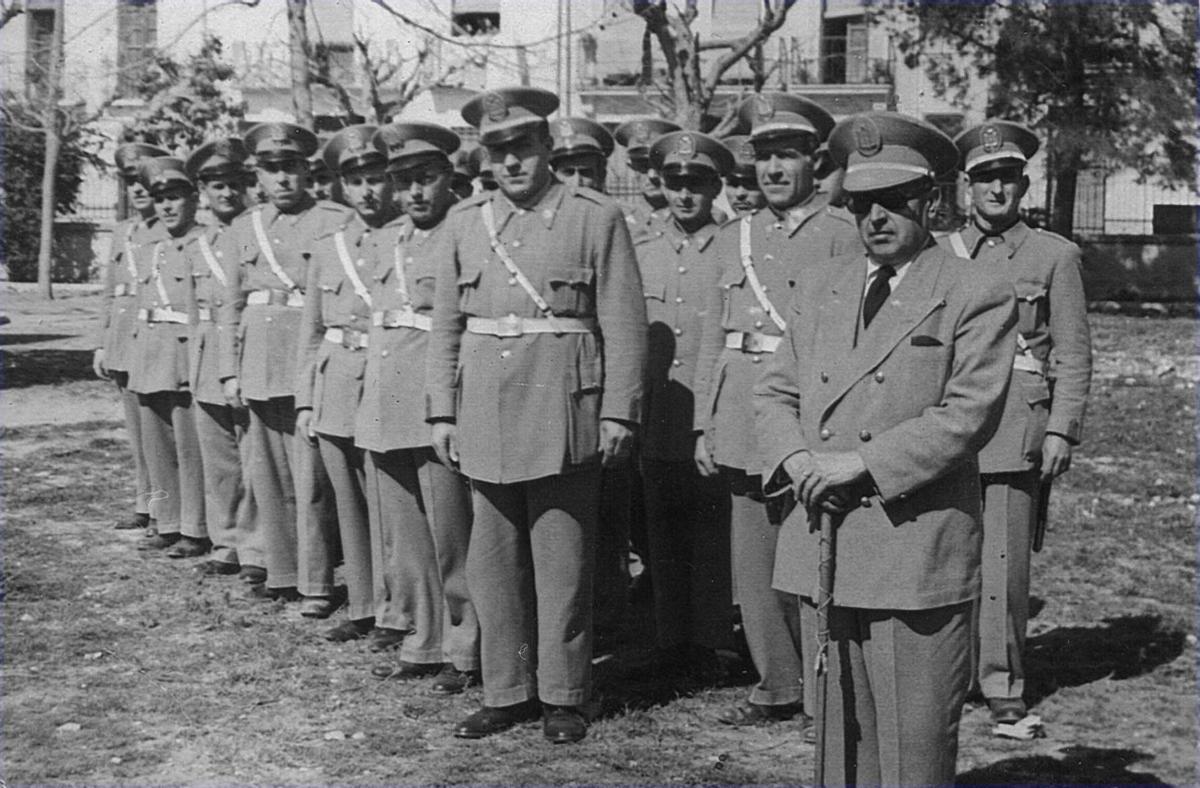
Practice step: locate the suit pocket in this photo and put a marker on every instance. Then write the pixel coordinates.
(1037, 395)
(1033, 305)
(570, 291)
(583, 403)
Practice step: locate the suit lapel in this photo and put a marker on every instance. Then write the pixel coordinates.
(912, 302)
(838, 319)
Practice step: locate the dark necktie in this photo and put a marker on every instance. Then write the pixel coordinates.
(877, 293)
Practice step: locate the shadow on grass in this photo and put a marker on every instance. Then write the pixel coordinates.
(1121, 648)
(1078, 766)
(23, 368)
(29, 339)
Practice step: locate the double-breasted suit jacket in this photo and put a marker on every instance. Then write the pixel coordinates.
(529, 406)
(1049, 394)
(917, 395)
(784, 250)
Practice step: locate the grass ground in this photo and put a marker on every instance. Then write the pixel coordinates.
(126, 667)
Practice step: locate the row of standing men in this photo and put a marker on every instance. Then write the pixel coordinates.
(446, 400)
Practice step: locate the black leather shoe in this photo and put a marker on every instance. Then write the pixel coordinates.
(1007, 711)
(748, 714)
(452, 681)
(139, 520)
(385, 639)
(496, 719)
(158, 541)
(213, 567)
(252, 574)
(350, 630)
(405, 671)
(261, 591)
(189, 547)
(563, 724)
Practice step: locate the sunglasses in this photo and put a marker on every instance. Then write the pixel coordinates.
(749, 184)
(895, 200)
(422, 176)
(693, 183)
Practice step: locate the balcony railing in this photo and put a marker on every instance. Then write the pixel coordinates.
(834, 69)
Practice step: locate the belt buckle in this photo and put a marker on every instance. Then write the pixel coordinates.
(350, 339)
(509, 326)
(752, 343)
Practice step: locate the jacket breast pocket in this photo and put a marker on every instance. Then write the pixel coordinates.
(732, 280)
(470, 292)
(1036, 393)
(583, 410)
(1033, 306)
(569, 291)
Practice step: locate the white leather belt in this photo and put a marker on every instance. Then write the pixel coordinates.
(347, 338)
(275, 298)
(513, 326)
(124, 289)
(1029, 364)
(204, 314)
(749, 342)
(401, 318)
(162, 316)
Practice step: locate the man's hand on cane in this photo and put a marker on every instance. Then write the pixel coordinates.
(825, 480)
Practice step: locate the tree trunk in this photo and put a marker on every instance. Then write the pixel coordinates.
(301, 87)
(53, 143)
(1062, 215)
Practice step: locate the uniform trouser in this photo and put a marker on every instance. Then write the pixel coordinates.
(1009, 510)
(172, 452)
(420, 533)
(228, 504)
(294, 506)
(770, 618)
(611, 593)
(343, 462)
(529, 569)
(133, 426)
(687, 521)
(897, 682)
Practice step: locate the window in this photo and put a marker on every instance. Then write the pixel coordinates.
(137, 40)
(475, 17)
(844, 51)
(39, 31)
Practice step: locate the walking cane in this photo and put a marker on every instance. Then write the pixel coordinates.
(826, 552)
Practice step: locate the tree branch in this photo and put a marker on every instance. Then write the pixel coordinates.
(774, 14)
(9, 11)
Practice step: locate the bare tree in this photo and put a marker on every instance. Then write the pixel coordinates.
(688, 89)
(298, 39)
(10, 9)
(51, 91)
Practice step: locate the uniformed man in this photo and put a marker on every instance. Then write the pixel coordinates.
(635, 136)
(483, 165)
(741, 184)
(322, 182)
(132, 238)
(765, 255)
(332, 357)
(420, 509)
(534, 381)
(687, 515)
(1043, 414)
(219, 167)
(158, 370)
(580, 159)
(259, 324)
(466, 170)
(889, 379)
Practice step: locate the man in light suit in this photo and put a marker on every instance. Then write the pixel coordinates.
(889, 380)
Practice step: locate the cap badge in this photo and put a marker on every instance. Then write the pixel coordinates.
(223, 148)
(686, 148)
(354, 140)
(867, 139)
(764, 110)
(990, 136)
(641, 132)
(494, 107)
(278, 136)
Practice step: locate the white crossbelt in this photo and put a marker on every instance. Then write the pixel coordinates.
(339, 240)
(759, 291)
(749, 342)
(398, 264)
(401, 318)
(1025, 361)
(156, 275)
(210, 259)
(489, 223)
(347, 337)
(158, 315)
(959, 245)
(130, 262)
(275, 297)
(264, 246)
(513, 326)
(124, 289)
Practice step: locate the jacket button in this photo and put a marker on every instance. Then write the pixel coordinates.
(679, 299)
(878, 377)
(383, 353)
(865, 502)
(679, 332)
(757, 360)
(758, 324)
(826, 434)
(683, 269)
(824, 377)
(516, 244)
(864, 436)
(677, 363)
(512, 281)
(505, 353)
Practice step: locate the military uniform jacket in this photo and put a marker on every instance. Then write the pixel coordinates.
(784, 251)
(529, 406)
(159, 361)
(1052, 327)
(258, 342)
(118, 317)
(208, 282)
(678, 273)
(917, 395)
(392, 413)
(644, 221)
(329, 374)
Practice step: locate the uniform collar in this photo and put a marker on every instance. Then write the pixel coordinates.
(1011, 237)
(547, 205)
(678, 238)
(798, 215)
